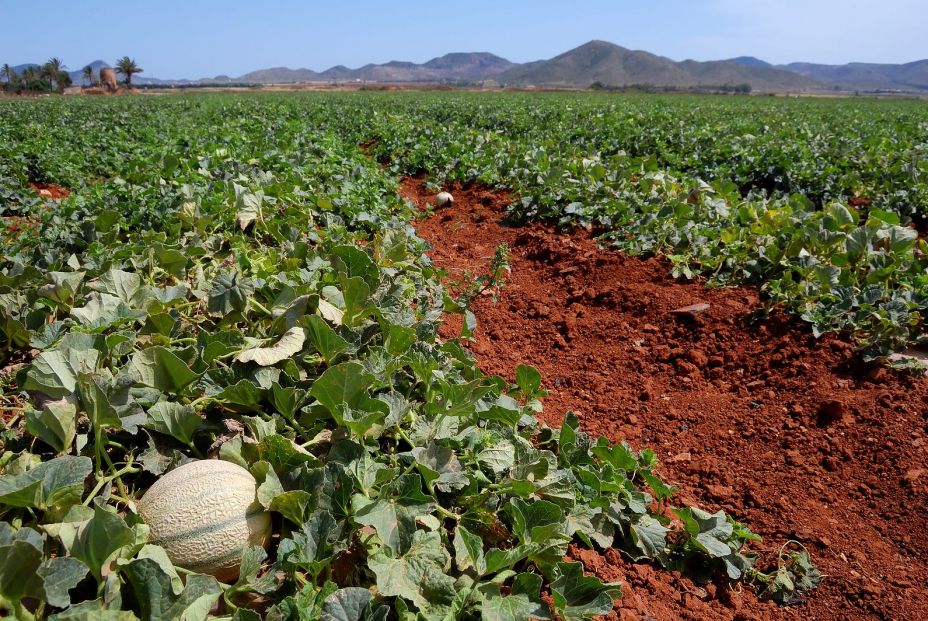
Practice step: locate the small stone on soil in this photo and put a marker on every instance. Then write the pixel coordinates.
(691, 311)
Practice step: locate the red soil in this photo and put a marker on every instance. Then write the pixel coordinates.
(791, 434)
(13, 226)
(50, 191)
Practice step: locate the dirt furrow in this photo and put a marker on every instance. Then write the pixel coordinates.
(788, 433)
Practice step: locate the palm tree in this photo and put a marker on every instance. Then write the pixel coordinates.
(9, 75)
(54, 71)
(87, 75)
(56, 64)
(127, 67)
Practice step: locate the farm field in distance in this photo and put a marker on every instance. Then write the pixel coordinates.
(645, 365)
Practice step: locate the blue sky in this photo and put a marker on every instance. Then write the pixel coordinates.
(199, 38)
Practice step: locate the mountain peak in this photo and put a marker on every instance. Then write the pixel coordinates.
(749, 61)
(596, 61)
(601, 62)
(598, 46)
(469, 65)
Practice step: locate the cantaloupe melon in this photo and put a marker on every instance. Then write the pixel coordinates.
(443, 199)
(204, 514)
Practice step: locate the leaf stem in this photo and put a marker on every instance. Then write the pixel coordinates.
(447, 514)
(119, 484)
(116, 444)
(102, 481)
(260, 307)
(122, 499)
(199, 400)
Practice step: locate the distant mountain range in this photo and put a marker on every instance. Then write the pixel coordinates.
(457, 66)
(599, 62)
(868, 76)
(908, 77)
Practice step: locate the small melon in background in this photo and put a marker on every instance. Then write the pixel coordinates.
(204, 514)
(443, 199)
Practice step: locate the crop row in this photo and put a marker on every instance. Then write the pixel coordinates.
(817, 202)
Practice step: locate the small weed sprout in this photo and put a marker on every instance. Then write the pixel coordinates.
(492, 281)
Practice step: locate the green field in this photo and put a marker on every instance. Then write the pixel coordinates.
(239, 261)
(812, 199)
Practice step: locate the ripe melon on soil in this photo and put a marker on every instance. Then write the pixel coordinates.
(204, 514)
(443, 199)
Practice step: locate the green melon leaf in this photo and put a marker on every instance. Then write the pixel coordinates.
(524, 601)
(346, 383)
(293, 505)
(578, 597)
(394, 515)
(326, 341)
(468, 551)
(62, 286)
(93, 394)
(160, 368)
(155, 593)
(59, 575)
(174, 419)
(229, 292)
(313, 546)
(650, 538)
(104, 538)
(94, 610)
(418, 575)
(58, 483)
(54, 373)
(55, 424)
(352, 604)
(21, 557)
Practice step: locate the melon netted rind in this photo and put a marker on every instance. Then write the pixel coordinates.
(204, 514)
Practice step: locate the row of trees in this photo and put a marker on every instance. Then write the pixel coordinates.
(54, 77)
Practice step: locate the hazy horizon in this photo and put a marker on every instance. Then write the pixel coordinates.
(175, 40)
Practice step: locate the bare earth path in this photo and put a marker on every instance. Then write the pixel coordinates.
(788, 433)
